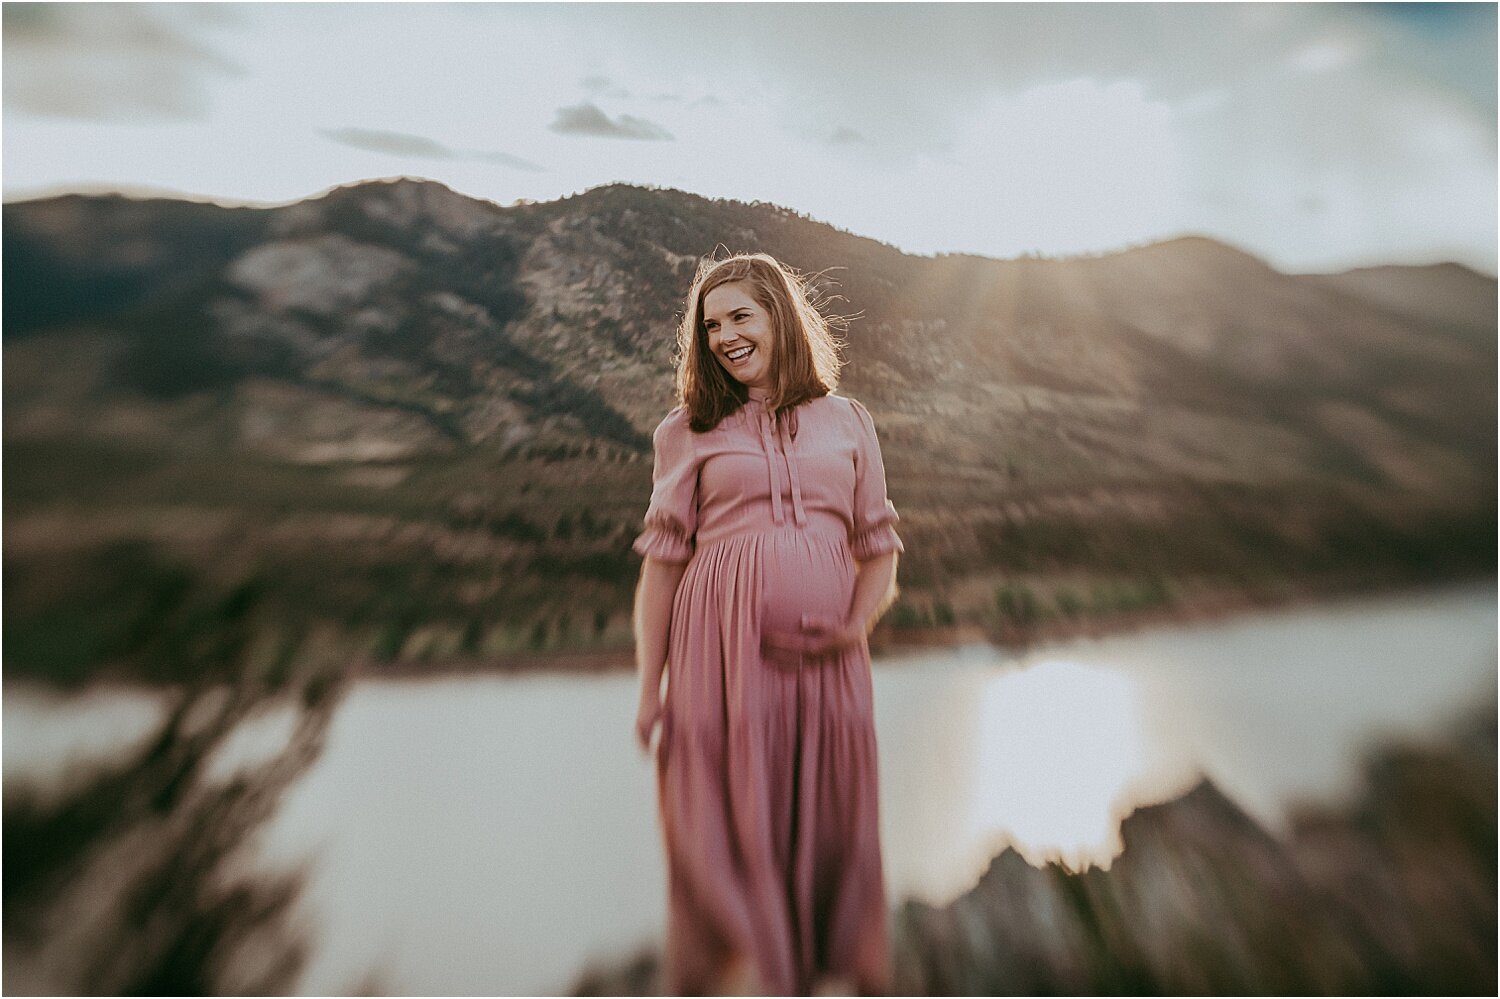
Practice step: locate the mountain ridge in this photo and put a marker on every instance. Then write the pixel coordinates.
(1187, 237)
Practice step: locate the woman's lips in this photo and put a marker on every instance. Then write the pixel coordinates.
(729, 355)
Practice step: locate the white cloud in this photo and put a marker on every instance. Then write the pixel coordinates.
(1315, 135)
(112, 62)
(1326, 55)
(1070, 167)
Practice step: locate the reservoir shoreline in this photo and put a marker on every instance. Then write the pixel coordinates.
(1201, 607)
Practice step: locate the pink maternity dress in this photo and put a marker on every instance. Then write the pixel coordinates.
(766, 766)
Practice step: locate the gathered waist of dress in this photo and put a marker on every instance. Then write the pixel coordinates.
(832, 532)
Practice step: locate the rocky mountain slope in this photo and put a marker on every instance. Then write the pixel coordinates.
(404, 423)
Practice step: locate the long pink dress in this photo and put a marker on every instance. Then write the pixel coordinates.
(766, 767)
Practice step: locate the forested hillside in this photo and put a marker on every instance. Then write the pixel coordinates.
(400, 425)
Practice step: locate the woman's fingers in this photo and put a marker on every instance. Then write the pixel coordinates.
(818, 635)
(787, 641)
(645, 721)
(819, 623)
(829, 632)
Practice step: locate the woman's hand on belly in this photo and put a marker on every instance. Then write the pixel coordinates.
(819, 635)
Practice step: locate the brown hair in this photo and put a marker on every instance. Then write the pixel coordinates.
(805, 360)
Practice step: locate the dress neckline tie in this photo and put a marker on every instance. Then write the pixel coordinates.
(773, 439)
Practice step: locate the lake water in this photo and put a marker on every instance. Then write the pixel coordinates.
(494, 834)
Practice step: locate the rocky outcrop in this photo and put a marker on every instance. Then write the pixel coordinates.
(1396, 893)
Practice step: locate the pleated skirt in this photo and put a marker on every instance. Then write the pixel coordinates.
(767, 777)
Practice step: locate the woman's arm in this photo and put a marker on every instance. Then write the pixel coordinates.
(874, 592)
(653, 625)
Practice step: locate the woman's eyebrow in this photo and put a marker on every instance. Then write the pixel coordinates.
(707, 317)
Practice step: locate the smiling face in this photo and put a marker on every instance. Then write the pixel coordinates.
(740, 335)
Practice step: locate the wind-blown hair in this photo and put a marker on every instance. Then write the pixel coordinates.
(805, 359)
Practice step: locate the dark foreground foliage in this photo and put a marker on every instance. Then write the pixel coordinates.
(137, 881)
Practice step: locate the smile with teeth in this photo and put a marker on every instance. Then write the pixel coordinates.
(739, 353)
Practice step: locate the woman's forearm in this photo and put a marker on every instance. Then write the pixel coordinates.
(653, 618)
(874, 590)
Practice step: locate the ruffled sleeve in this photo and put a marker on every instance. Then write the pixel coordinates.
(874, 528)
(672, 516)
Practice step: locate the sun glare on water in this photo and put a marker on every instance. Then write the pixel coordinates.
(1061, 749)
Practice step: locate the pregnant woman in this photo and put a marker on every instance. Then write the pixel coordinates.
(770, 551)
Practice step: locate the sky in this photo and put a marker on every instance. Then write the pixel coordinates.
(1317, 136)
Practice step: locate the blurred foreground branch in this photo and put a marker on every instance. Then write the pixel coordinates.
(141, 882)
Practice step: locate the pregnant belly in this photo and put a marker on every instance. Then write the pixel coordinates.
(804, 575)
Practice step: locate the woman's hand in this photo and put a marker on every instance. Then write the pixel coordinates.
(646, 718)
(819, 636)
(653, 623)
